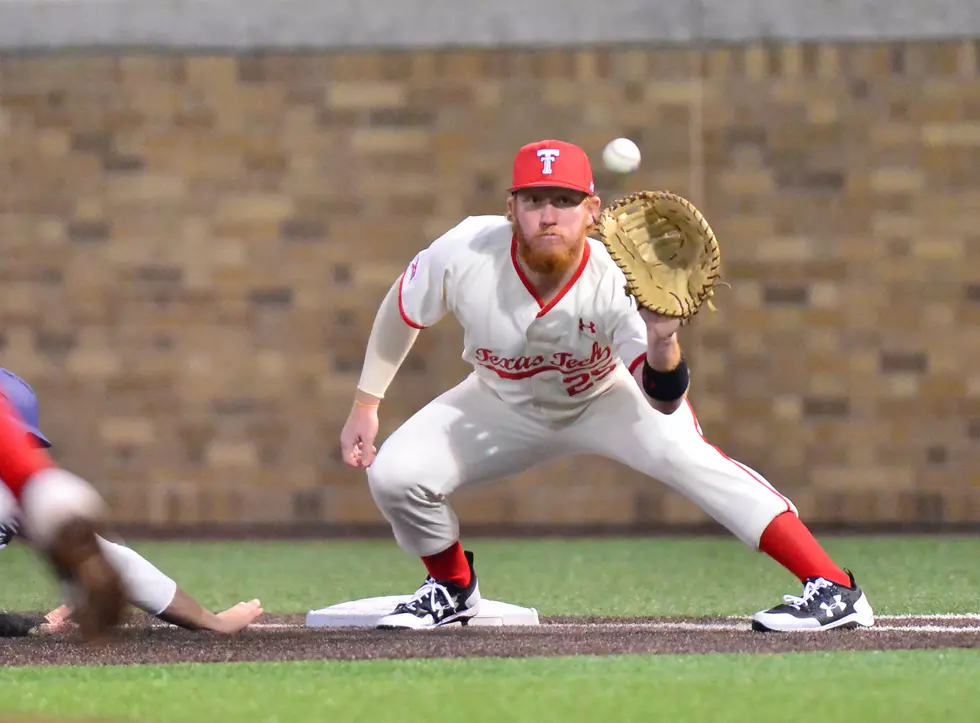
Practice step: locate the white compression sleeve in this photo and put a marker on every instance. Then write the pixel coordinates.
(390, 341)
(148, 588)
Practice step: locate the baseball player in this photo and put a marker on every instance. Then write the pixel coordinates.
(62, 513)
(146, 587)
(563, 364)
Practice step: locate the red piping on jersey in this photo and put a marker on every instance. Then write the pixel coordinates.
(401, 307)
(789, 507)
(639, 360)
(564, 290)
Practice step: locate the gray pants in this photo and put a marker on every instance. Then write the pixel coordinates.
(469, 436)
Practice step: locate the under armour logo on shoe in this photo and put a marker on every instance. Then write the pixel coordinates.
(830, 607)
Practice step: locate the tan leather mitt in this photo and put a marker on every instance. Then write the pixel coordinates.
(666, 249)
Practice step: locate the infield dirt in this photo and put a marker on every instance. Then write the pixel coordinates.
(284, 637)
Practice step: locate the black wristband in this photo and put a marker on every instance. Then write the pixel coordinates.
(666, 386)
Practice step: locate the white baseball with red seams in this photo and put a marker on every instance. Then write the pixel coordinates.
(621, 155)
(549, 380)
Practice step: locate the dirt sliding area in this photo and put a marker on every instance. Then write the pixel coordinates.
(287, 638)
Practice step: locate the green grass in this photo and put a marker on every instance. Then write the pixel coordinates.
(867, 687)
(615, 577)
(705, 576)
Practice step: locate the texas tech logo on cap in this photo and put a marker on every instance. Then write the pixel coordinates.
(548, 156)
(553, 164)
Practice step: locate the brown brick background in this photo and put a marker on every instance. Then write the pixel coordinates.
(194, 248)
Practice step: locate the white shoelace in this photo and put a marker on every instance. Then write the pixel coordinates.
(433, 591)
(810, 591)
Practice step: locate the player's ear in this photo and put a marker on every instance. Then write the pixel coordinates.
(594, 205)
(510, 208)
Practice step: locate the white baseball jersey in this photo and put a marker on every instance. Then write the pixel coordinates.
(548, 358)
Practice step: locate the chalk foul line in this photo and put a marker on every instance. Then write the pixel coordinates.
(925, 624)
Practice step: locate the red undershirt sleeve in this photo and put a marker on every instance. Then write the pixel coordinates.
(19, 459)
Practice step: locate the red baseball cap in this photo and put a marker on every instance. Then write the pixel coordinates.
(552, 163)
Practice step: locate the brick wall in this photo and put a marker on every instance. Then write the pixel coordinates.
(195, 247)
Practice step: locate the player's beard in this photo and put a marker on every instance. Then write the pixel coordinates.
(547, 260)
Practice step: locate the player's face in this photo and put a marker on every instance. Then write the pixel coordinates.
(551, 225)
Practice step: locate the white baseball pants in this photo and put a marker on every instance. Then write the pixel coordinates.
(469, 436)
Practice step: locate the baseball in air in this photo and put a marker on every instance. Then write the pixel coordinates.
(621, 156)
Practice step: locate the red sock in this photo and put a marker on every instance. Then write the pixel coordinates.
(450, 565)
(790, 543)
(19, 459)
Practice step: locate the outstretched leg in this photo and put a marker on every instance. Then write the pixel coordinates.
(673, 449)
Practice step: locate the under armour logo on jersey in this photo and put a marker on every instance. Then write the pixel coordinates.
(583, 325)
(829, 608)
(548, 156)
(412, 270)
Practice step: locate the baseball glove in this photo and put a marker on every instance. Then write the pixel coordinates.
(666, 249)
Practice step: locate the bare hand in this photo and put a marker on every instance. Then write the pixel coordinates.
(238, 617)
(358, 435)
(659, 328)
(56, 621)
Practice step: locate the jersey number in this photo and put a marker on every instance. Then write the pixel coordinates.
(578, 383)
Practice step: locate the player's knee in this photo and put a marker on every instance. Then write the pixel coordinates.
(403, 480)
(390, 480)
